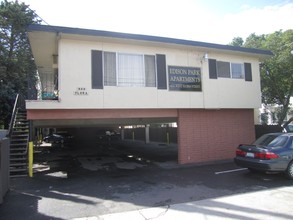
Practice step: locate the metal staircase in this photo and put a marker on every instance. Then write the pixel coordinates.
(19, 145)
(18, 134)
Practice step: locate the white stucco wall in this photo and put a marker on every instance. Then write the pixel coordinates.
(75, 72)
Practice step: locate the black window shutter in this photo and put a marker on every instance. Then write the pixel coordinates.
(248, 72)
(161, 71)
(213, 69)
(97, 69)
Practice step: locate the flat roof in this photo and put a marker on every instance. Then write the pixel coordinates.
(118, 35)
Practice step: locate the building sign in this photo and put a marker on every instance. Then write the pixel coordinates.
(184, 78)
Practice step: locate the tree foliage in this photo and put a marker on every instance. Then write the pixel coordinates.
(17, 69)
(277, 71)
(237, 41)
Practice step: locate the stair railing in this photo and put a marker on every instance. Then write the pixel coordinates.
(13, 116)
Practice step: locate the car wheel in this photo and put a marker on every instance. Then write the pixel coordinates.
(289, 171)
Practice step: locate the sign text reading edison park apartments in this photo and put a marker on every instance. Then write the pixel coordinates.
(184, 78)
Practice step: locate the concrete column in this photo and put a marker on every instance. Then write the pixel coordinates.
(147, 134)
(122, 133)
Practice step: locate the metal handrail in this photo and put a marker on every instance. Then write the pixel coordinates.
(12, 116)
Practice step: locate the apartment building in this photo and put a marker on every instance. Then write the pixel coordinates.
(94, 78)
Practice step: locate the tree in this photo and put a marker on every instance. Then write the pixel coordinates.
(255, 41)
(277, 71)
(237, 41)
(17, 69)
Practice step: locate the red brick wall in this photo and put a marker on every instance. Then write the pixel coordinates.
(209, 135)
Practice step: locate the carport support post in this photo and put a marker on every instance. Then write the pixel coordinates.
(30, 158)
(147, 134)
(122, 133)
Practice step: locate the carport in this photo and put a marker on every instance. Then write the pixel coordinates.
(87, 125)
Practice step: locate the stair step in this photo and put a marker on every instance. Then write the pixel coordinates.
(21, 118)
(24, 143)
(19, 138)
(18, 141)
(19, 131)
(17, 160)
(18, 170)
(23, 134)
(20, 150)
(21, 112)
(21, 125)
(20, 147)
(23, 147)
(18, 154)
(17, 164)
(20, 166)
(16, 127)
(15, 136)
(19, 175)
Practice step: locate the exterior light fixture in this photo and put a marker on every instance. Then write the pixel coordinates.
(205, 57)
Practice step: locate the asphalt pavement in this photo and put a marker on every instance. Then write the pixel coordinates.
(126, 182)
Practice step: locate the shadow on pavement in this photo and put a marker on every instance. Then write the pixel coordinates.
(99, 180)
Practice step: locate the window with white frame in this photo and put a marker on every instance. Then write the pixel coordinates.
(230, 70)
(150, 70)
(223, 69)
(110, 69)
(237, 70)
(131, 70)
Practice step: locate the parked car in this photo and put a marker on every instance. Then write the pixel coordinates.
(271, 152)
(109, 135)
(58, 138)
(289, 128)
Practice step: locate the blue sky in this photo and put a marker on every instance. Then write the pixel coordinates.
(214, 21)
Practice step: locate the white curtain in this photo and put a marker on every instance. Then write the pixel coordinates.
(110, 69)
(130, 69)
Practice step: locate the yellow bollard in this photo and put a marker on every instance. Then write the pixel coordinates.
(30, 158)
(168, 138)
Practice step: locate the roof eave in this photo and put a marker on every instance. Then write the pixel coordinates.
(99, 33)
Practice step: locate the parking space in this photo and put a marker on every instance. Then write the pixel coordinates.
(100, 180)
(103, 156)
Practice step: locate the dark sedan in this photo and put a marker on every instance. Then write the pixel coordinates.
(271, 152)
(58, 138)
